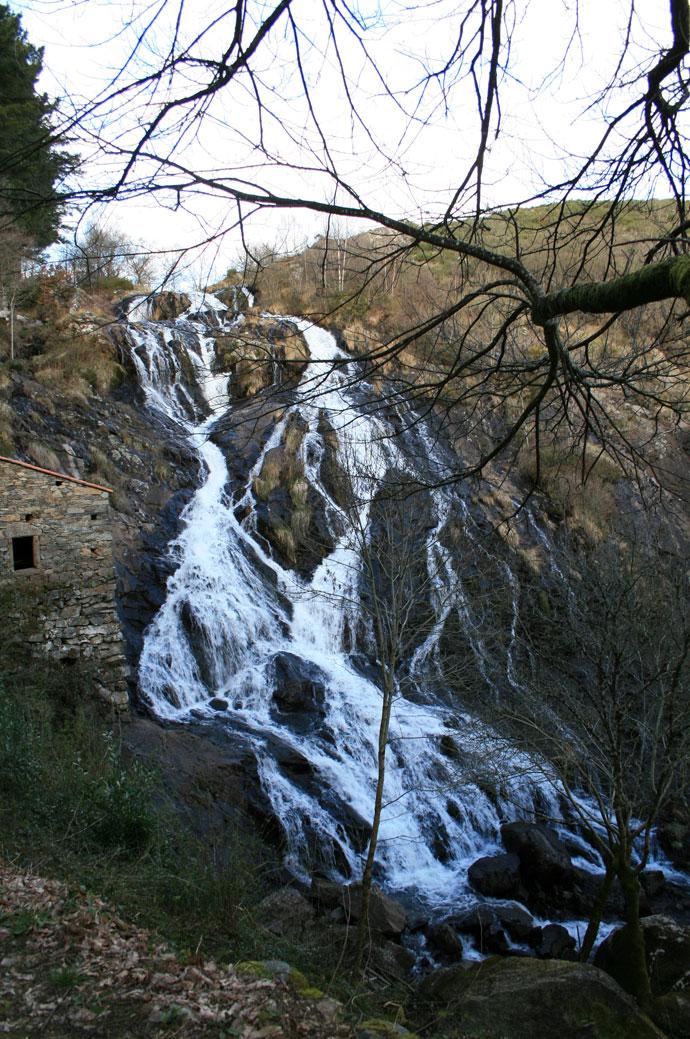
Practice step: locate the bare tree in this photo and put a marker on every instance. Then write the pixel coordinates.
(523, 330)
(603, 711)
(101, 252)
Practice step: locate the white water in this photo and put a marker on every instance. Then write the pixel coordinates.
(223, 622)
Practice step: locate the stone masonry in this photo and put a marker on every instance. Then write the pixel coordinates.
(56, 544)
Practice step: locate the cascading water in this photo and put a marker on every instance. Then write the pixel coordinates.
(237, 623)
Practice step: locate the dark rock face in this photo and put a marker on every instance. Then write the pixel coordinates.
(496, 875)
(501, 997)
(290, 513)
(667, 949)
(210, 779)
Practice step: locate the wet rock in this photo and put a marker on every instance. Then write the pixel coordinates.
(218, 704)
(299, 684)
(333, 477)
(496, 875)
(515, 918)
(653, 882)
(667, 949)
(475, 918)
(533, 999)
(481, 922)
(166, 306)
(552, 942)
(444, 937)
(449, 747)
(543, 857)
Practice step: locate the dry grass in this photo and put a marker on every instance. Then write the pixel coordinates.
(583, 496)
(80, 365)
(44, 456)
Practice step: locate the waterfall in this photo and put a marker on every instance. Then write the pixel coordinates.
(239, 626)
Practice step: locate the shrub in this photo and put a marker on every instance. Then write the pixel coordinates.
(126, 817)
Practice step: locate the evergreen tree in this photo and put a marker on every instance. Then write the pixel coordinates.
(31, 164)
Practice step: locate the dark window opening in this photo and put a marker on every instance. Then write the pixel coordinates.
(28, 516)
(94, 515)
(23, 553)
(58, 483)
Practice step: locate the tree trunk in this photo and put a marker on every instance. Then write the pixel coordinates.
(597, 911)
(639, 975)
(656, 281)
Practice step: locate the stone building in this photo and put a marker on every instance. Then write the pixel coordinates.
(56, 545)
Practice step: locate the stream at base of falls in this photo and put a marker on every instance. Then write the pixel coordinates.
(287, 656)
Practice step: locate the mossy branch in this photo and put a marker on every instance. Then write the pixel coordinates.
(656, 281)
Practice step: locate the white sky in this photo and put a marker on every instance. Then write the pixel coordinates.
(85, 45)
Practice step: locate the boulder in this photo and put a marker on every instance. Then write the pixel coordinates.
(544, 859)
(553, 942)
(672, 1013)
(326, 893)
(667, 948)
(444, 937)
(263, 350)
(515, 918)
(481, 922)
(299, 686)
(534, 999)
(286, 913)
(385, 914)
(653, 882)
(495, 875)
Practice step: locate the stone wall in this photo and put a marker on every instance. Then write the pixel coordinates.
(56, 545)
